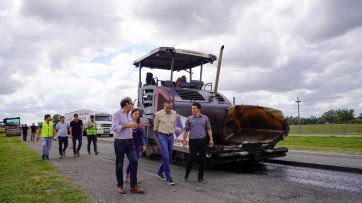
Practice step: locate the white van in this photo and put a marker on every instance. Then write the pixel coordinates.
(103, 120)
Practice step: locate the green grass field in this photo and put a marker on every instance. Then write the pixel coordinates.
(24, 177)
(332, 129)
(344, 145)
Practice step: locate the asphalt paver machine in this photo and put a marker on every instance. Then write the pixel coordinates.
(241, 132)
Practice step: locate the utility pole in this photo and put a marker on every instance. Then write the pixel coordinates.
(299, 130)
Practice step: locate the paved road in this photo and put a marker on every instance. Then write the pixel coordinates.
(229, 183)
(351, 162)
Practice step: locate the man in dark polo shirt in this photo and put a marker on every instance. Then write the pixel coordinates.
(197, 127)
(76, 129)
(25, 131)
(33, 131)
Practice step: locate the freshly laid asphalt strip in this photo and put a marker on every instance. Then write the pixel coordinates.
(266, 183)
(329, 161)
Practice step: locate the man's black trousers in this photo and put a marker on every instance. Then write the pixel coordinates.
(92, 138)
(197, 146)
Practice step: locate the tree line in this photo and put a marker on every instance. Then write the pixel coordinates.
(339, 116)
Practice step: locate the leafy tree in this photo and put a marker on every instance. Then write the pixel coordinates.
(359, 117)
(291, 120)
(56, 118)
(345, 115)
(329, 116)
(332, 116)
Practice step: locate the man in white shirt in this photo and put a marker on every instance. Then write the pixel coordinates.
(62, 133)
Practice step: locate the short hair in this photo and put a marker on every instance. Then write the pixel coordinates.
(197, 104)
(75, 115)
(46, 116)
(125, 101)
(61, 117)
(167, 101)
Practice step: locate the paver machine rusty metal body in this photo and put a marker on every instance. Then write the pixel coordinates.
(241, 132)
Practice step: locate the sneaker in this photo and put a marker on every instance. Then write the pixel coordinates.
(61, 157)
(170, 182)
(137, 189)
(96, 153)
(43, 156)
(201, 180)
(75, 156)
(160, 176)
(47, 157)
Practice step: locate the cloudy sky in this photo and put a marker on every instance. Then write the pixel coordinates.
(61, 56)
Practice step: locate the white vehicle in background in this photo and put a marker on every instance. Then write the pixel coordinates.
(103, 120)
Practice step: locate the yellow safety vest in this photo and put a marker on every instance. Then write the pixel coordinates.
(93, 129)
(47, 129)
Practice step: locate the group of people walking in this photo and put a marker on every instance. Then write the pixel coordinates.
(25, 128)
(47, 131)
(130, 141)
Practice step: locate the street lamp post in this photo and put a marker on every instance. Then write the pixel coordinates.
(299, 129)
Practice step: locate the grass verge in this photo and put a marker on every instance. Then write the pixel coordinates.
(331, 129)
(24, 177)
(344, 145)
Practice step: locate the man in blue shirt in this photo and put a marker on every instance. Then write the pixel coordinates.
(196, 126)
(122, 126)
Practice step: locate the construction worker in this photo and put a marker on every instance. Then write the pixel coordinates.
(91, 128)
(46, 131)
(181, 82)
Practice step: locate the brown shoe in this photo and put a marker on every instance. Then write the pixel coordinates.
(137, 189)
(121, 190)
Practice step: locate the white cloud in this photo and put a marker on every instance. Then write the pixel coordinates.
(56, 57)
